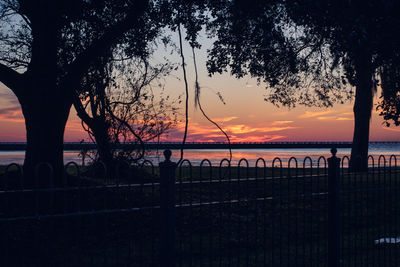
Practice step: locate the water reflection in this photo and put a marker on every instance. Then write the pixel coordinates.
(216, 155)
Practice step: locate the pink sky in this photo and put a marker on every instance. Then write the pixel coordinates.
(245, 116)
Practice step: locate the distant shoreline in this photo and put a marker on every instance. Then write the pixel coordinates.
(14, 146)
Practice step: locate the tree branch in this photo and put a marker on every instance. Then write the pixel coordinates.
(79, 66)
(81, 111)
(11, 79)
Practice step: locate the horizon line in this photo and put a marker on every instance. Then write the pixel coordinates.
(216, 142)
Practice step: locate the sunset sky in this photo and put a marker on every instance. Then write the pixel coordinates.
(245, 115)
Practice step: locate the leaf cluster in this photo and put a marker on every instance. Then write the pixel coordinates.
(305, 51)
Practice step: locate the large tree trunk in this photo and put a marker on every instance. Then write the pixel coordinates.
(45, 121)
(362, 114)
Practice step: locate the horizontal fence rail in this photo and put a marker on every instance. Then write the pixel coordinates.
(295, 213)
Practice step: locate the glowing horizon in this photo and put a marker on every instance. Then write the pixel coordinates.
(257, 122)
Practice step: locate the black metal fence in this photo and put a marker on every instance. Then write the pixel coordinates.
(295, 213)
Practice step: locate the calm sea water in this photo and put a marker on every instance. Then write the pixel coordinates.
(216, 155)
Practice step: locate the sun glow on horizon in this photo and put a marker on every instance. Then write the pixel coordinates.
(259, 122)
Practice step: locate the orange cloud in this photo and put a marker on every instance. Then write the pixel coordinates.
(327, 118)
(334, 118)
(12, 114)
(264, 138)
(241, 128)
(311, 114)
(236, 133)
(225, 119)
(281, 122)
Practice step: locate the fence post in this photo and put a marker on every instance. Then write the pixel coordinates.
(334, 231)
(167, 205)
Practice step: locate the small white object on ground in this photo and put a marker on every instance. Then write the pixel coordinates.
(388, 240)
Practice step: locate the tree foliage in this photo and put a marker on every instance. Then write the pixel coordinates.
(389, 105)
(313, 53)
(46, 48)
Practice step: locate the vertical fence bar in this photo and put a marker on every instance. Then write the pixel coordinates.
(167, 205)
(333, 210)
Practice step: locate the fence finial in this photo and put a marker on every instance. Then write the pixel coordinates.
(167, 155)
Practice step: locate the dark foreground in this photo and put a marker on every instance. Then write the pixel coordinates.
(222, 216)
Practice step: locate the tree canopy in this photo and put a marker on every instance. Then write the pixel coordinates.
(312, 53)
(48, 46)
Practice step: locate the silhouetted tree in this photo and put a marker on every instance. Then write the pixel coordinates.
(389, 106)
(47, 46)
(361, 36)
(310, 52)
(117, 105)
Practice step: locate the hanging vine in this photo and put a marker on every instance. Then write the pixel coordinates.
(186, 93)
(198, 104)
